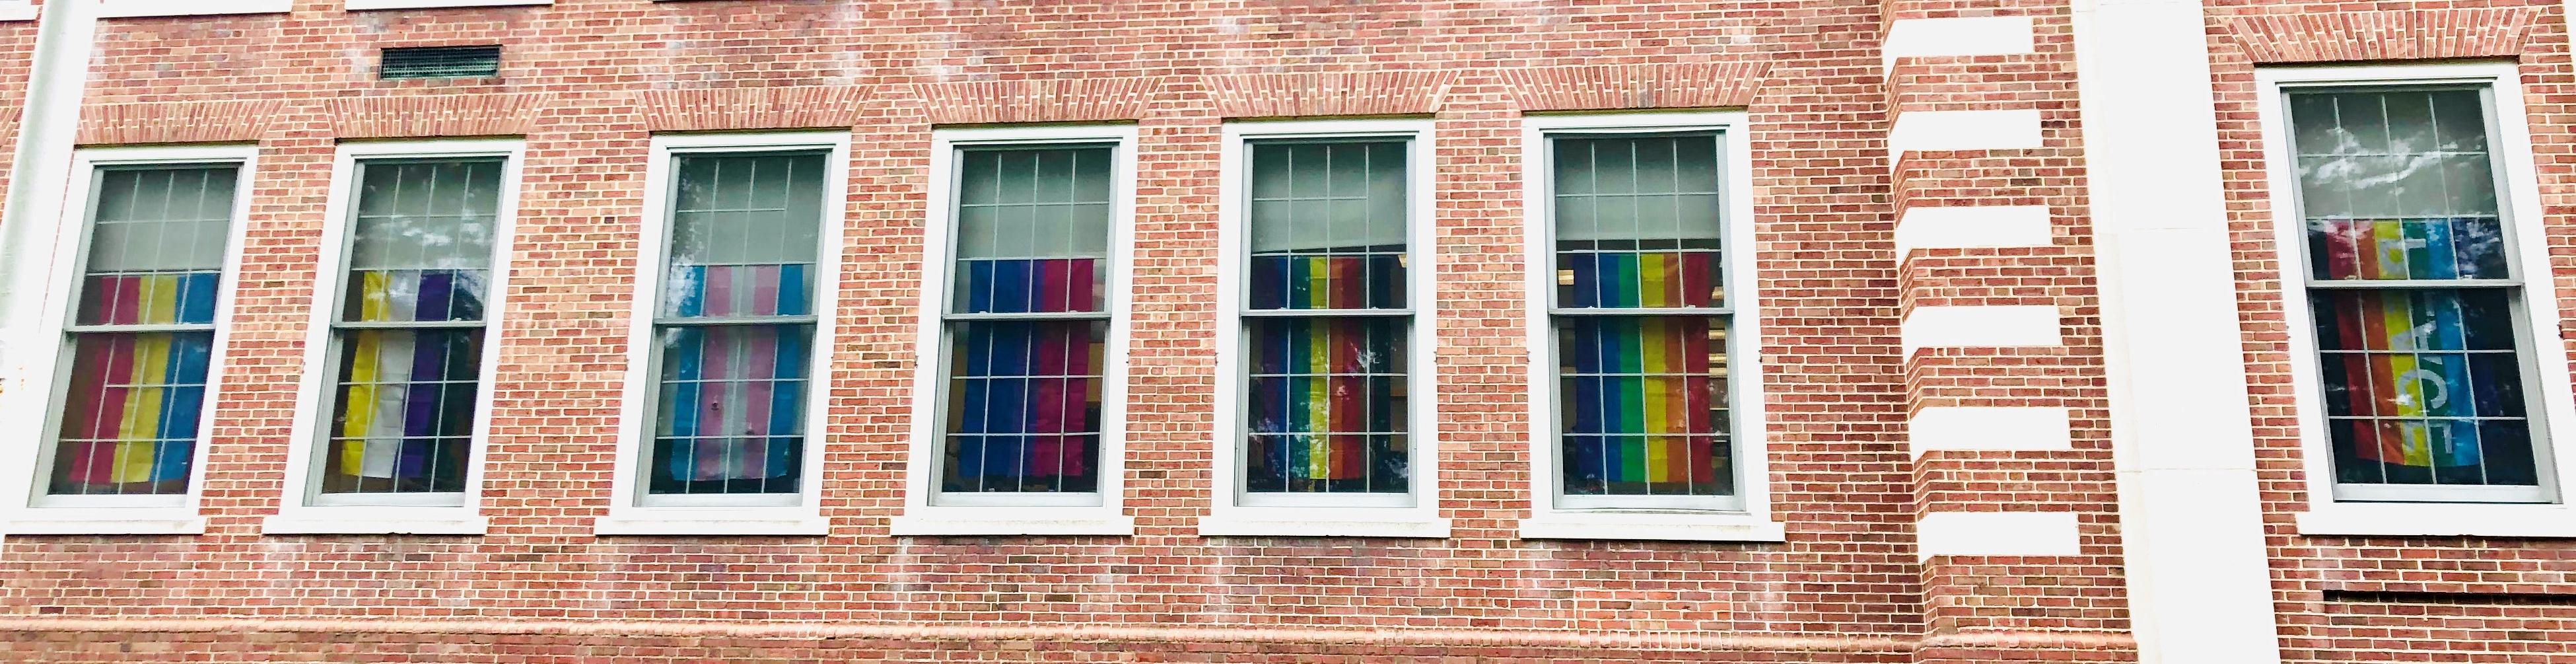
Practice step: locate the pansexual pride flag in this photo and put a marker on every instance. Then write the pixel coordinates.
(132, 411)
(1639, 394)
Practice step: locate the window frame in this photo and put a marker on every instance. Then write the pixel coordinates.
(926, 510)
(1232, 508)
(629, 512)
(2331, 506)
(1746, 516)
(36, 512)
(306, 510)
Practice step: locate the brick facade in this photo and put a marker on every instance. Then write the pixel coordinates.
(1849, 142)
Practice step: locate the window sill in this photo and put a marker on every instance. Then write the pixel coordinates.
(2439, 520)
(689, 522)
(370, 5)
(1035, 522)
(360, 523)
(1322, 526)
(151, 8)
(1718, 527)
(104, 521)
(17, 11)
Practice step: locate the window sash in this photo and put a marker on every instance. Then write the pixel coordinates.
(73, 333)
(2525, 348)
(1558, 312)
(1401, 318)
(794, 193)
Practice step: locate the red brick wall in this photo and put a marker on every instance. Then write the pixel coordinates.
(2374, 598)
(588, 80)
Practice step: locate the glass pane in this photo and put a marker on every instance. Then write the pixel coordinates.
(421, 245)
(731, 407)
(404, 411)
(156, 246)
(2423, 387)
(1032, 230)
(1328, 225)
(1644, 408)
(1023, 406)
(745, 232)
(129, 419)
(1326, 408)
(1637, 222)
(2397, 184)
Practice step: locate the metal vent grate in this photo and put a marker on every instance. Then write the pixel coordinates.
(441, 62)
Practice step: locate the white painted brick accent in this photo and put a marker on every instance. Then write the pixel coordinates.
(1960, 35)
(1996, 534)
(1998, 428)
(1957, 226)
(1980, 327)
(1996, 129)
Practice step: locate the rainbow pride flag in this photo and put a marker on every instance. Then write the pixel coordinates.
(1305, 281)
(1639, 390)
(1321, 404)
(1638, 279)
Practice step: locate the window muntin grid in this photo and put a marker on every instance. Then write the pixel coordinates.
(142, 336)
(2411, 288)
(1027, 323)
(1641, 319)
(409, 335)
(1326, 407)
(733, 328)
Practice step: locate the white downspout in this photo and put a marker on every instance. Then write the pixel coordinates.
(57, 72)
(56, 76)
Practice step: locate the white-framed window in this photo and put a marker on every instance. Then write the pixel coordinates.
(724, 405)
(1020, 399)
(1645, 403)
(1325, 283)
(2423, 338)
(138, 316)
(394, 405)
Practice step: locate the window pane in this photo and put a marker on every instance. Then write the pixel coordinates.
(1643, 404)
(1032, 230)
(129, 420)
(404, 411)
(745, 232)
(2416, 393)
(2397, 184)
(1327, 225)
(732, 409)
(1637, 222)
(1326, 408)
(156, 246)
(422, 241)
(1023, 406)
